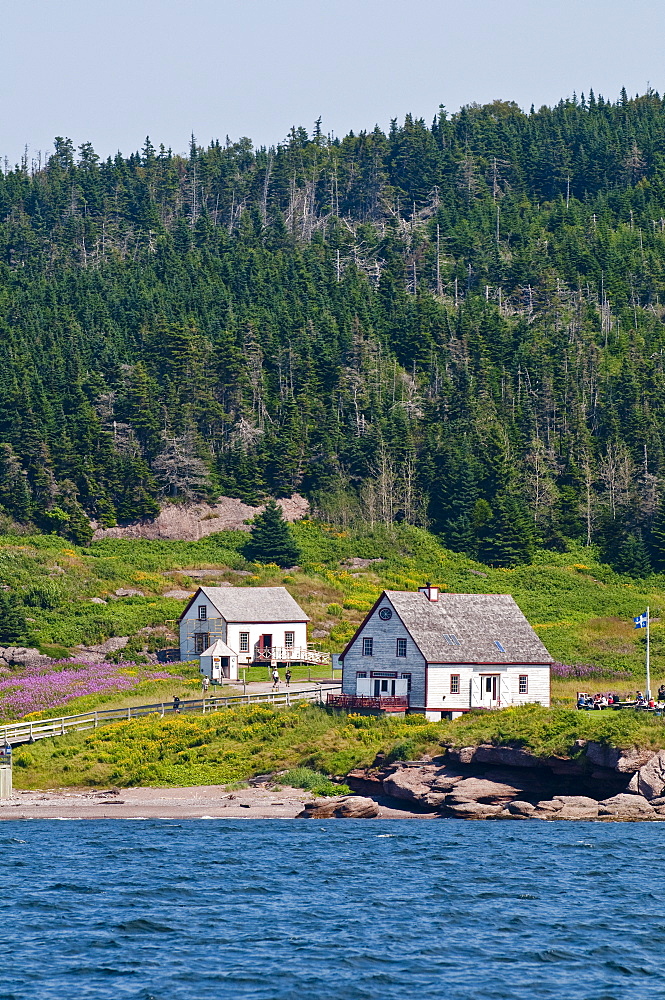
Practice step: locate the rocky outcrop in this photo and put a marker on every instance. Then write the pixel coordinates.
(625, 806)
(576, 807)
(478, 790)
(488, 790)
(502, 756)
(412, 784)
(471, 810)
(97, 654)
(487, 782)
(189, 522)
(649, 780)
(22, 656)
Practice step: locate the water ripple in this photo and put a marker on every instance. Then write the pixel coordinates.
(278, 910)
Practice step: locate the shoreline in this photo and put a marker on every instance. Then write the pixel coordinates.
(191, 802)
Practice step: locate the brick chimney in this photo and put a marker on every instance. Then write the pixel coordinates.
(430, 592)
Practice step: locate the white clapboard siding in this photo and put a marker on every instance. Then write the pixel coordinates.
(538, 680)
(439, 694)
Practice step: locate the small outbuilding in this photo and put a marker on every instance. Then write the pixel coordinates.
(219, 663)
(443, 654)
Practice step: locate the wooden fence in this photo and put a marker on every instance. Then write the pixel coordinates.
(15, 733)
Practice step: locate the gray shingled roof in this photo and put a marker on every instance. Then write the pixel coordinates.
(255, 604)
(477, 620)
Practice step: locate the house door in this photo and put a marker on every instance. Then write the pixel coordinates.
(265, 643)
(384, 687)
(490, 690)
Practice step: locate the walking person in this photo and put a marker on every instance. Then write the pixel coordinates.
(205, 685)
(275, 679)
(176, 704)
(287, 676)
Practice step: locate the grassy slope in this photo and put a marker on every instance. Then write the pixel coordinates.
(233, 745)
(580, 608)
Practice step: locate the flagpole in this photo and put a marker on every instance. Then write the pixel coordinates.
(648, 691)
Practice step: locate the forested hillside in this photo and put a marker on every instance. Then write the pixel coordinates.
(456, 325)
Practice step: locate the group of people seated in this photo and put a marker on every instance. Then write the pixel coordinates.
(607, 700)
(597, 700)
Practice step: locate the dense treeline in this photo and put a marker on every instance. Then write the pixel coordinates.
(456, 324)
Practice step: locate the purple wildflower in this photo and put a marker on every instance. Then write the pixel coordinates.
(39, 687)
(586, 670)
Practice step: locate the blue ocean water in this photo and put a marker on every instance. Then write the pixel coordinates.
(359, 910)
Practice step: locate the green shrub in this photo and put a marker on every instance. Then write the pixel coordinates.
(45, 594)
(312, 781)
(404, 750)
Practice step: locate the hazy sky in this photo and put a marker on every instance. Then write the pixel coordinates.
(114, 71)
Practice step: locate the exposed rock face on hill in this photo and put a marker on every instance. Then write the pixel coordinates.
(189, 522)
(488, 782)
(22, 656)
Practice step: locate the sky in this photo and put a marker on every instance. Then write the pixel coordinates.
(113, 71)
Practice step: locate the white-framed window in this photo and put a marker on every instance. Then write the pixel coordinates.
(244, 642)
(454, 683)
(289, 639)
(524, 684)
(368, 647)
(407, 678)
(361, 673)
(401, 647)
(201, 641)
(203, 612)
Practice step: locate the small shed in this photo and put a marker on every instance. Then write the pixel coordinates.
(219, 663)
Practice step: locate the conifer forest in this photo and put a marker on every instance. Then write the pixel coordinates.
(457, 324)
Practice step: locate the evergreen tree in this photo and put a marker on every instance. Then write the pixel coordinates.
(657, 540)
(632, 557)
(510, 537)
(162, 327)
(271, 540)
(13, 626)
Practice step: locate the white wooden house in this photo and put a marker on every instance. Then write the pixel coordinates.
(247, 625)
(443, 654)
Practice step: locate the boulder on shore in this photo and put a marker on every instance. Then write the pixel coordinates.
(483, 790)
(626, 807)
(471, 810)
(412, 784)
(649, 781)
(341, 807)
(576, 807)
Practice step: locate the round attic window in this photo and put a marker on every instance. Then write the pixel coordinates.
(385, 614)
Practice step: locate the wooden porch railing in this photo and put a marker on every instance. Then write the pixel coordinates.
(290, 654)
(352, 702)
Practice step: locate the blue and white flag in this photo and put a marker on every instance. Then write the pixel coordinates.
(641, 621)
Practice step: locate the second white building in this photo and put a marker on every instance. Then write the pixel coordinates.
(443, 654)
